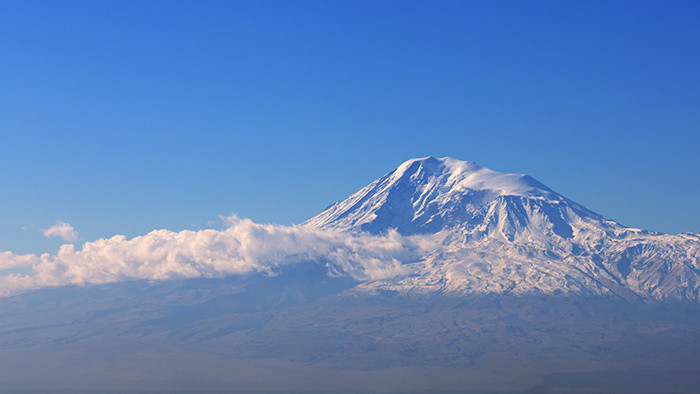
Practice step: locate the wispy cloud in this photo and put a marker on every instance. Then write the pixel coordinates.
(243, 248)
(62, 230)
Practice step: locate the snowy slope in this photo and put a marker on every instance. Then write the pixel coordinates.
(509, 233)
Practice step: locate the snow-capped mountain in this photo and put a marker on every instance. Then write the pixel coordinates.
(441, 275)
(509, 233)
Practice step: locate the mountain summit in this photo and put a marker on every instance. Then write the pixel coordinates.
(509, 233)
(428, 195)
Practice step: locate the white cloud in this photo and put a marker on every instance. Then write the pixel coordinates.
(62, 230)
(8, 260)
(243, 248)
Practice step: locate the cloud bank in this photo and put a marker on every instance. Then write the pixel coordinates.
(62, 230)
(243, 248)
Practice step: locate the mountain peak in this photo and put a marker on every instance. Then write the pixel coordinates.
(432, 164)
(466, 176)
(429, 194)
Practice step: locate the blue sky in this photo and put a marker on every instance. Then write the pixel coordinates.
(124, 117)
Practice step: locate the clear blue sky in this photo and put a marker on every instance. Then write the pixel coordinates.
(123, 117)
